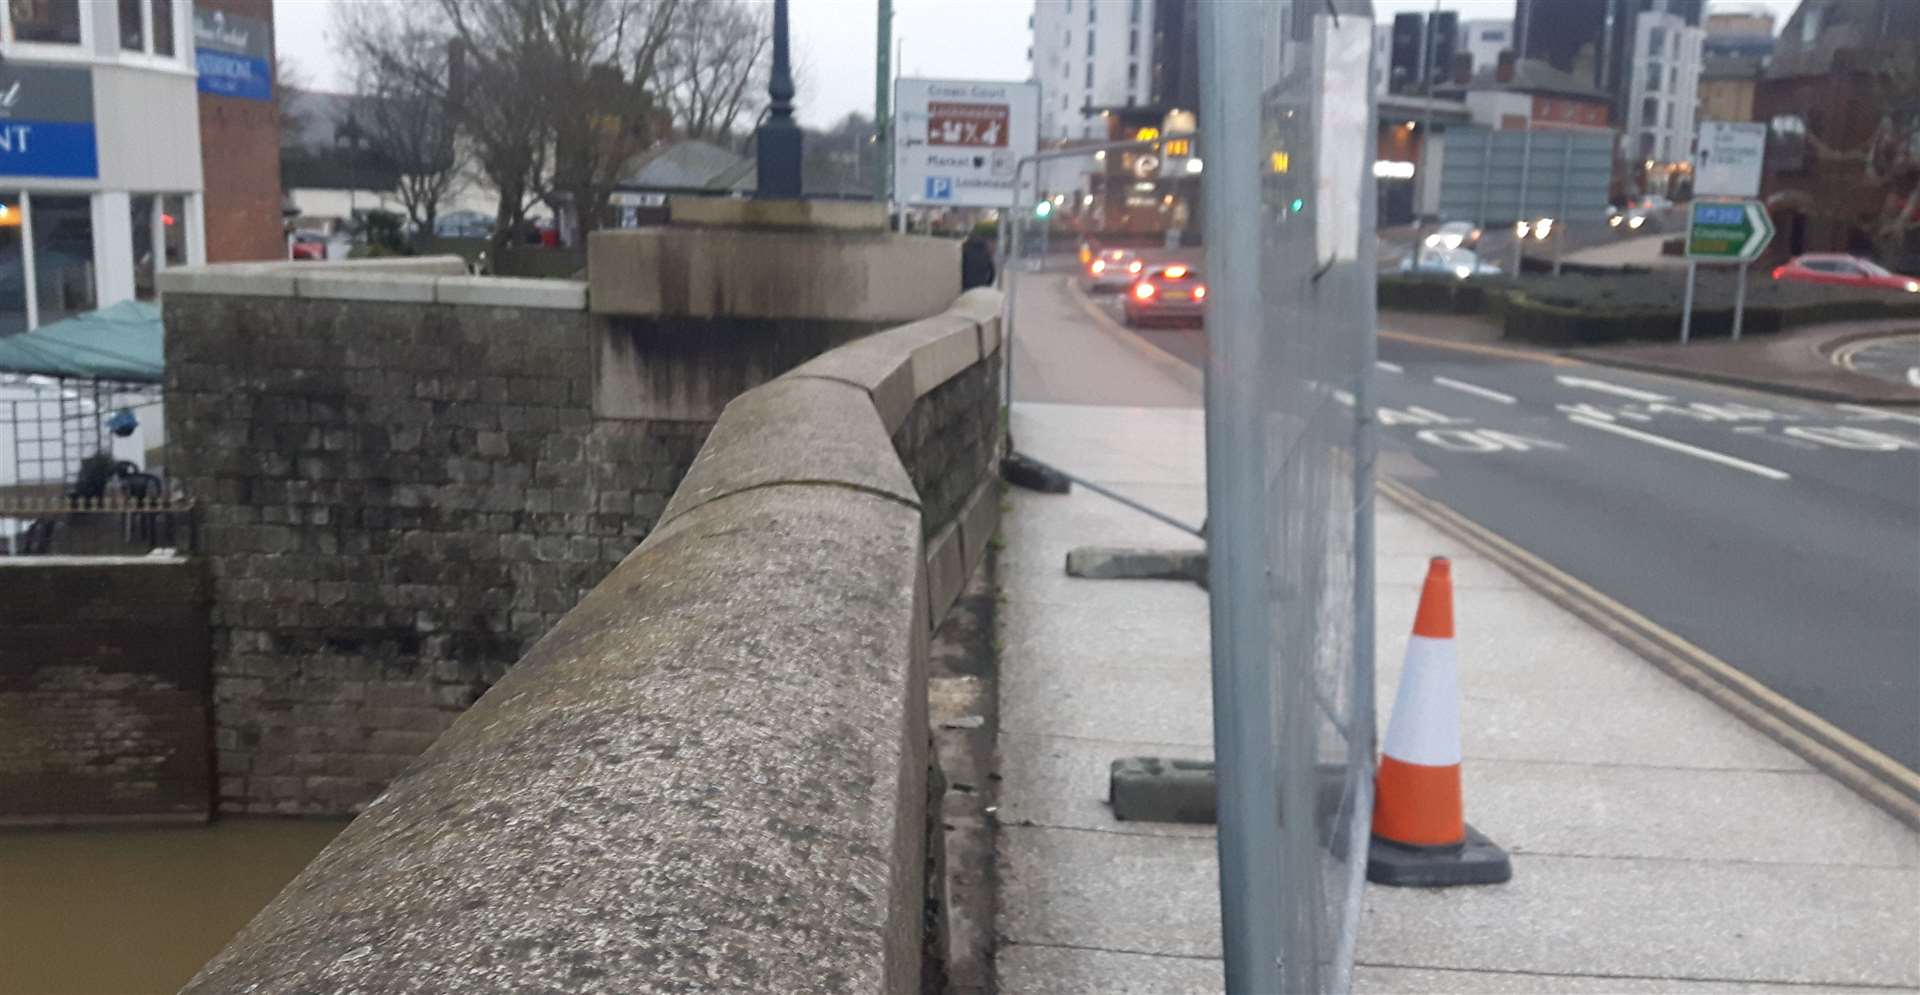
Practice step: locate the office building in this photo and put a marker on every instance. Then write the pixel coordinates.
(1663, 86)
(1092, 54)
(1485, 40)
(1740, 34)
(1420, 51)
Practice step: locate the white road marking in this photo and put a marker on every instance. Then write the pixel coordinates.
(1475, 389)
(1603, 414)
(1850, 437)
(1482, 440)
(1344, 397)
(1417, 415)
(1610, 388)
(1680, 447)
(1878, 415)
(1389, 367)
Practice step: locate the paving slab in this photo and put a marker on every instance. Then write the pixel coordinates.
(1703, 918)
(1061, 782)
(1373, 980)
(1074, 887)
(1147, 700)
(1036, 970)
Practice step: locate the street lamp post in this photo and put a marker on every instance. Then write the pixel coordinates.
(778, 141)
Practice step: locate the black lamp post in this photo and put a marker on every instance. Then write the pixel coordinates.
(778, 142)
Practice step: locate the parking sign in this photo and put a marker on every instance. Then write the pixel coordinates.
(957, 141)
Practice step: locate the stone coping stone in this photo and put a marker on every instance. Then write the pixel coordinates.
(900, 365)
(795, 431)
(708, 776)
(727, 212)
(417, 280)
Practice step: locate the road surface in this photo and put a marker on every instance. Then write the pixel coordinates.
(1782, 536)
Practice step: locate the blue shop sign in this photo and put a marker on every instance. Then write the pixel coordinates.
(46, 122)
(234, 55)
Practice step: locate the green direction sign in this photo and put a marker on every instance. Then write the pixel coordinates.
(1728, 230)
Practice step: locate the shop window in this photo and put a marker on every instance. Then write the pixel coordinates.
(62, 256)
(48, 22)
(173, 229)
(146, 26)
(145, 259)
(13, 268)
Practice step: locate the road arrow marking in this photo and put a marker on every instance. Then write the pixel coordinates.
(1680, 447)
(1606, 388)
(1475, 389)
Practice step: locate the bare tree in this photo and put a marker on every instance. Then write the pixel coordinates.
(713, 74)
(1888, 157)
(409, 121)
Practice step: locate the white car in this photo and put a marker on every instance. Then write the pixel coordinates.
(1454, 235)
(1460, 264)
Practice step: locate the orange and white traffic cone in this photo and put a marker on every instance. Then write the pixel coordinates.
(1420, 834)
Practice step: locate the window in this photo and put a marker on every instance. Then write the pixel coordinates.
(13, 268)
(1091, 7)
(62, 255)
(1089, 77)
(145, 262)
(1669, 120)
(1089, 44)
(51, 22)
(1649, 110)
(1495, 35)
(1653, 77)
(1656, 40)
(1673, 79)
(1133, 43)
(1133, 75)
(146, 26)
(1133, 16)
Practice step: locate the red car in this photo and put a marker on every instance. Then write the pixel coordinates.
(1174, 292)
(1845, 271)
(307, 245)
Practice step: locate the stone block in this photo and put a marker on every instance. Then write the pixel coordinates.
(795, 431)
(498, 291)
(225, 281)
(811, 214)
(323, 284)
(979, 519)
(946, 573)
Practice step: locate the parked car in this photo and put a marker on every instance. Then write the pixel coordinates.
(1845, 271)
(1460, 264)
(1173, 292)
(1113, 269)
(1454, 235)
(307, 245)
(1633, 218)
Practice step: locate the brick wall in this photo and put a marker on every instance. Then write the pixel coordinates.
(949, 441)
(240, 156)
(398, 499)
(103, 690)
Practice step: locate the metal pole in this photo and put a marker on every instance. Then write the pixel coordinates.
(1249, 839)
(1561, 219)
(1686, 304)
(1426, 138)
(882, 95)
(1520, 207)
(1739, 299)
(778, 143)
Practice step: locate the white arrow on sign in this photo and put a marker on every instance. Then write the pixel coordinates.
(1762, 231)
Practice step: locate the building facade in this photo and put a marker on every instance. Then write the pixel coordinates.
(1663, 90)
(100, 180)
(239, 129)
(1091, 54)
(1485, 40)
(1739, 34)
(1727, 87)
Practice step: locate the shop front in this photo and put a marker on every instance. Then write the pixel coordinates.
(100, 162)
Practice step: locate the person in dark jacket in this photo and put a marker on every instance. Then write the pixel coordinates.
(976, 262)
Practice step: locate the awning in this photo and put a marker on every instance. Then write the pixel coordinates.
(120, 342)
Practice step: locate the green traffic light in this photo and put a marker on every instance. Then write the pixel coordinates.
(1299, 203)
(1043, 209)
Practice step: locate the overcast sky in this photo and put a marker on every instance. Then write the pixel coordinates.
(834, 42)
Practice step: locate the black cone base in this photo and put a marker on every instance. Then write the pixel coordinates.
(1476, 861)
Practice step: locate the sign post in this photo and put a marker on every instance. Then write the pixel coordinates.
(957, 142)
(1729, 231)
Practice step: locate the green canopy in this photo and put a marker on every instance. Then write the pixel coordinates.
(121, 342)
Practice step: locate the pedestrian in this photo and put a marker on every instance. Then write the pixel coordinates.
(976, 262)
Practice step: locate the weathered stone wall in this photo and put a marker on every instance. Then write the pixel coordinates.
(399, 497)
(103, 690)
(950, 440)
(712, 774)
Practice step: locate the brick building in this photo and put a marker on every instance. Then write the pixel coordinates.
(239, 129)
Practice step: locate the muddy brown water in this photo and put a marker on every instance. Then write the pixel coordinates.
(121, 911)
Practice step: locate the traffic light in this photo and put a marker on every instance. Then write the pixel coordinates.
(1298, 204)
(1043, 209)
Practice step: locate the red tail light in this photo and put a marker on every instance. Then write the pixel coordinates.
(1200, 292)
(1777, 270)
(1144, 291)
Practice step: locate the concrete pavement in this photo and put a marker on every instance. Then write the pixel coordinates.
(1659, 844)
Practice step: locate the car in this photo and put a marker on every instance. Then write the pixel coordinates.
(1460, 264)
(1454, 235)
(1844, 271)
(1174, 292)
(1113, 269)
(307, 245)
(1632, 219)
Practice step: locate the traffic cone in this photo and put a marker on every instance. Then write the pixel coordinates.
(1420, 833)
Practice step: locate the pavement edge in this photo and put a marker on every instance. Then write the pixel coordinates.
(1868, 772)
(1735, 380)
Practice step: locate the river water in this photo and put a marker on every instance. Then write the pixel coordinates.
(121, 911)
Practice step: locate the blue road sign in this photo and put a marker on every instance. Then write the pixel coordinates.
(939, 188)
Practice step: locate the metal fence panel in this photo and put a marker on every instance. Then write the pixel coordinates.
(1287, 126)
(1499, 177)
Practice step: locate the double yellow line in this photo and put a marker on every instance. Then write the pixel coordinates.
(1874, 775)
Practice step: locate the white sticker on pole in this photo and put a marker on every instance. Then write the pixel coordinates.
(1343, 48)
